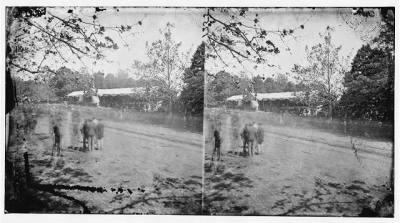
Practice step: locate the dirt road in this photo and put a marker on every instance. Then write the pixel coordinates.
(293, 177)
(161, 167)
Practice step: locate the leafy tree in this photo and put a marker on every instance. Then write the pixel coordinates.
(368, 87)
(269, 84)
(36, 92)
(221, 86)
(386, 41)
(238, 31)
(323, 75)
(192, 94)
(42, 33)
(64, 81)
(110, 81)
(166, 64)
(370, 82)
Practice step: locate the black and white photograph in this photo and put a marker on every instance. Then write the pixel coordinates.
(299, 111)
(199, 111)
(104, 110)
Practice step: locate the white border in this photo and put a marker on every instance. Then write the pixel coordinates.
(190, 3)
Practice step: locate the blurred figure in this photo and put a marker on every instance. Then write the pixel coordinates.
(260, 138)
(245, 138)
(95, 121)
(217, 145)
(252, 138)
(85, 133)
(75, 128)
(100, 134)
(57, 140)
(91, 133)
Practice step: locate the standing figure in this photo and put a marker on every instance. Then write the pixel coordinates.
(100, 134)
(57, 140)
(75, 127)
(91, 134)
(217, 145)
(260, 138)
(245, 138)
(252, 138)
(85, 133)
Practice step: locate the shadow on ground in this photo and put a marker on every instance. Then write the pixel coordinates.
(224, 191)
(165, 195)
(329, 199)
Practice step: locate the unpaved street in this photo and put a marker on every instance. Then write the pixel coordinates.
(160, 166)
(293, 177)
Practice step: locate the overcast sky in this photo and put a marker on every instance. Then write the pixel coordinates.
(187, 29)
(315, 22)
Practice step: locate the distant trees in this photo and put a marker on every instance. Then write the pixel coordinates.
(223, 85)
(192, 94)
(98, 79)
(36, 92)
(64, 81)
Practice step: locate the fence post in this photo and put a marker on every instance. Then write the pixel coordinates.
(27, 172)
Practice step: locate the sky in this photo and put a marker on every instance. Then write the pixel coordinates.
(187, 29)
(315, 22)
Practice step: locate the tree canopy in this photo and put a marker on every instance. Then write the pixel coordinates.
(369, 85)
(35, 34)
(238, 31)
(324, 72)
(166, 64)
(192, 94)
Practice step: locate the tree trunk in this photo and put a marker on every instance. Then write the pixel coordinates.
(7, 130)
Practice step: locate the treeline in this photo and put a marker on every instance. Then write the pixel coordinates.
(122, 79)
(54, 87)
(222, 85)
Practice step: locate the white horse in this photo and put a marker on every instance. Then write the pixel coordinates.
(254, 105)
(96, 100)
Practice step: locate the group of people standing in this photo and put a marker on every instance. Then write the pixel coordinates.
(92, 133)
(253, 138)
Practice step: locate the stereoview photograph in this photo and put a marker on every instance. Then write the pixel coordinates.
(200, 111)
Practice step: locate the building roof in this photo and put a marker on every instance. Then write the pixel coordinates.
(113, 91)
(268, 96)
(75, 94)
